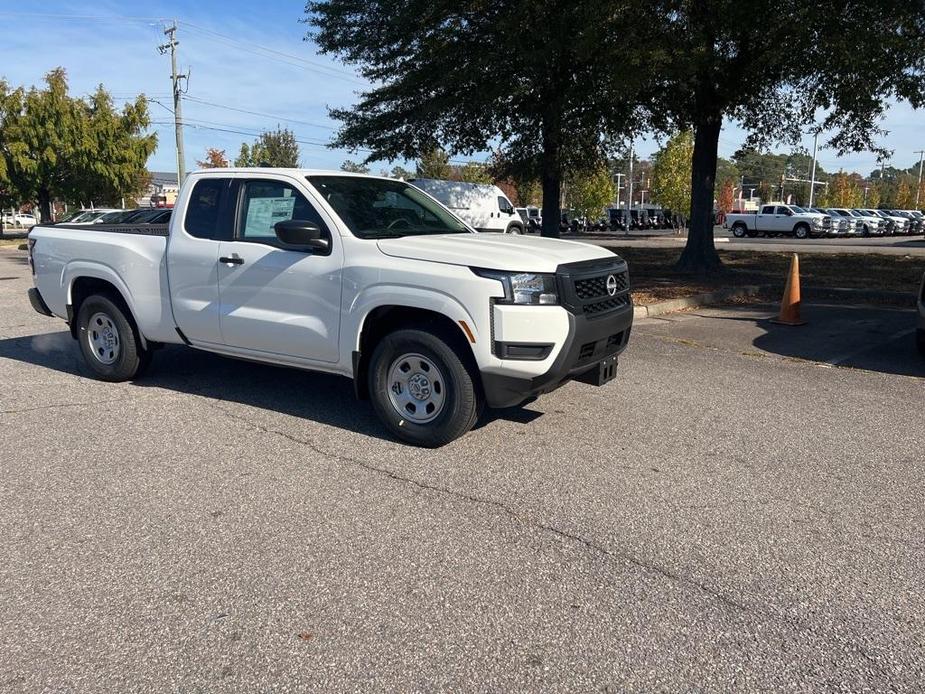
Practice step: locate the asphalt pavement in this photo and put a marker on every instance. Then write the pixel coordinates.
(740, 510)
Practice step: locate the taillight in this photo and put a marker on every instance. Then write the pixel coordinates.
(31, 263)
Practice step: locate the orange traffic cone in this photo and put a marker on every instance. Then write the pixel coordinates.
(790, 304)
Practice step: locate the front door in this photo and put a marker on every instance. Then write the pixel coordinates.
(275, 300)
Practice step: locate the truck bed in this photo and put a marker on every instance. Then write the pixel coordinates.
(131, 257)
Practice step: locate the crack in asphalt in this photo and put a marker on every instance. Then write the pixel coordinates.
(573, 537)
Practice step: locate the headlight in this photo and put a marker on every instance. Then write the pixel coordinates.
(524, 287)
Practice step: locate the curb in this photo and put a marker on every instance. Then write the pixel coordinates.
(672, 305)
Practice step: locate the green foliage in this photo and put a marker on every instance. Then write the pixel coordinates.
(588, 193)
(671, 173)
(434, 163)
(844, 190)
(273, 148)
(726, 172)
(53, 145)
(401, 172)
(354, 167)
(472, 172)
(458, 74)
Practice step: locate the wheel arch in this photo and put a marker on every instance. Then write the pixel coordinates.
(387, 318)
(86, 285)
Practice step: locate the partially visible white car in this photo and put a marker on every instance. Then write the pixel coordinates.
(20, 219)
(482, 206)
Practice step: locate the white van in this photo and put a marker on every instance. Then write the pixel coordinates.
(482, 206)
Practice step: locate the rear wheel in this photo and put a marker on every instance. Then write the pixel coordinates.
(421, 389)
(108, 340)
(739, 230)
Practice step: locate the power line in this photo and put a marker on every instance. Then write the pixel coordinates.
(197, 100)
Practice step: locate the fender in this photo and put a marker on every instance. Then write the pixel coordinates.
(77, 269)
(435, 300)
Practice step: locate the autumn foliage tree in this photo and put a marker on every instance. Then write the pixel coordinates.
(843, 191)
(726, 197)
(215, 159)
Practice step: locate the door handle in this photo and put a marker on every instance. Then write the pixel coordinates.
(233, 260)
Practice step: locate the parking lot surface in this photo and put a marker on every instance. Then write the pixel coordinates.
(740, 510)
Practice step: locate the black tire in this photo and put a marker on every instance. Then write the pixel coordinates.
(739, 230)
(865, 231)
(801, 231)
(462, 400)
(515, 229)
(111, 322)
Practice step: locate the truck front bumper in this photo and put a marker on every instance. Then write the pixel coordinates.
(591, 347)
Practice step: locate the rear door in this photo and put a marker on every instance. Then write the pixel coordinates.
(192, 258)
(765, 219)
(275, 300)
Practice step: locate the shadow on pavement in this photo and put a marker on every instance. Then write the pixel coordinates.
(323, 398)
(869, 338)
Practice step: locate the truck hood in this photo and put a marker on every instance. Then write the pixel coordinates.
(493, 251)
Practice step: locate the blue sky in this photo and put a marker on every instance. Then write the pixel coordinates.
(115, 43)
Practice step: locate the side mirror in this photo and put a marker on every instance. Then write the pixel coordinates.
(302, 235)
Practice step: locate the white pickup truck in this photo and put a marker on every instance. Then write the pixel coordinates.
(350, 274)
(779, 219)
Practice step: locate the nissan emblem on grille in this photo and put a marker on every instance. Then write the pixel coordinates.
(611, 285)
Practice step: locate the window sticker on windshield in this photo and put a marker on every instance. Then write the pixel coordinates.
(263, 213)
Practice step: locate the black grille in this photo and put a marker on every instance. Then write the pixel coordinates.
(593, 287)
(606, 305)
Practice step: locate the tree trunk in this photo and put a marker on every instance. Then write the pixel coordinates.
(551, 175)
(699, 254)
(45, 204)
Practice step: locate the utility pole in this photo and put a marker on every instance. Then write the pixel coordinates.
(918, 190)
(812, 177)
(171, 45)
(629, 192)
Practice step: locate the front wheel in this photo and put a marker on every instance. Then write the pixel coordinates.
(514, 229)
(801, 231)
(421, 389)
(108, 341)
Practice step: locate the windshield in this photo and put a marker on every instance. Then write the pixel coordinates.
(798, 210)
(377, 208)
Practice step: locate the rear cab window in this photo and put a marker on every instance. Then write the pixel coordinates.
(203, 211)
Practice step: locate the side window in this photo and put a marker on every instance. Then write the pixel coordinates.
(264, 203)
(504, 205)
(202, 212)
(767, 209)
(782, 210)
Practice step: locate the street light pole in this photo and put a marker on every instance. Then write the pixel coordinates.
(629, 192)
(812, 178)
(918, 190)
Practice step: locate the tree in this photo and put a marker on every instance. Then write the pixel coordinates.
(456, 73)
(401, 172)
(726, 199)
(905, 193)
(215, 159)
(671, 175)
(354, 167)
(727, 61)
(472, 172)
(873, 196)
(726, 171)
(843, 191)
(56, 146)
(434, 163)
(589, 192)
(273, 148)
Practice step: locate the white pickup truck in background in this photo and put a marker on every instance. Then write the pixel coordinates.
(779, 219)
(350, 274)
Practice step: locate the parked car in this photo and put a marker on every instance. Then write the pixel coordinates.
(838, 227)
(846, 222)
(19, 219)
(358, 275)
(779, 219)
(616, 218)
(90, 216)
(915, 223)
(870, 225)
(482, 206)
(149, 215)
(114, 217)
(894, 225)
